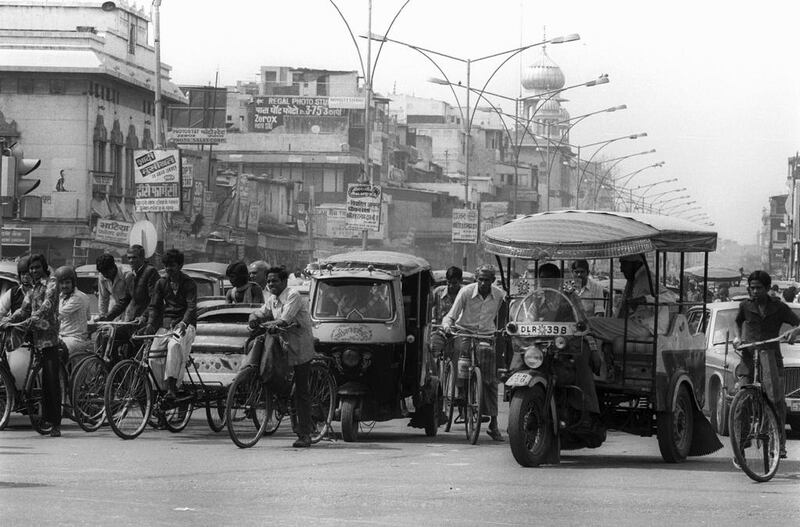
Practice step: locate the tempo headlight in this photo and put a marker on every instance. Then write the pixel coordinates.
(533, 357)
(560, 342)
(351, 358)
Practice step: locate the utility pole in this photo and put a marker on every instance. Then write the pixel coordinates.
(367, 116)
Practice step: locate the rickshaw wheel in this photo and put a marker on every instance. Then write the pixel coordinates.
(529, 427)
(7, 396)
(128, 399)
(177, 418)
(215, 413)
(349, 421)
(675, 428)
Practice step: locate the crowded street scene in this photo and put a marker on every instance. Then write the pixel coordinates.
(354, 262)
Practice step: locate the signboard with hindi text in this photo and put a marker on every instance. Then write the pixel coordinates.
(465, 226)
(196, 136)
(363, 206)
(158, 180)
(112, 231)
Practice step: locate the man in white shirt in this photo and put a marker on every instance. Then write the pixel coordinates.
(588, 289)
(112, 288)
(73, 312)
(475, 310)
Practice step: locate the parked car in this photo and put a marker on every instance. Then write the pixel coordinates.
(721, 360)
(209, 277)
(8, 275)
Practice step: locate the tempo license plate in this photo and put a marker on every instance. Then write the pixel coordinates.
(546, 329)
(519, 379)
(795, 405)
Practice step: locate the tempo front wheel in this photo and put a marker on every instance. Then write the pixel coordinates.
(754, 434)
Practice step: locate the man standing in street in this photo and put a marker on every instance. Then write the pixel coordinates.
(290, 311)
(760, 318)
(475, 310)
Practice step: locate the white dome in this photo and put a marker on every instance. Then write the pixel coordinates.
(543, 75)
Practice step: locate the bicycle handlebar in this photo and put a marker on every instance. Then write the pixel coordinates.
(779, 338)
(114, 323)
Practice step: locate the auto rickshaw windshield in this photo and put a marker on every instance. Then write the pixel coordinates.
(354, 300)
(546, 300)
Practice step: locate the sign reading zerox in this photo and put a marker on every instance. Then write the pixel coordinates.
(158, 180)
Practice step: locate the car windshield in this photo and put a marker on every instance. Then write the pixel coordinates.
(726, 322)
(354, 300)
(550, 300)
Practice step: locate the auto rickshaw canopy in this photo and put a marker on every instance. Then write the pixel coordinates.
(715, 274)
(405, 264)
(587, 234)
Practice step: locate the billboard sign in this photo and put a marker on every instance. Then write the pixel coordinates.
(196, 136)
(270, 112)
(363, 207)
(158, 180)
(465, 226)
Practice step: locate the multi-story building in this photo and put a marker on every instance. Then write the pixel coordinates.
(76, 90)
(774, 238)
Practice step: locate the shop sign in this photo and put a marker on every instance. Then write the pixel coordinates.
(157, 179)
(112, 231)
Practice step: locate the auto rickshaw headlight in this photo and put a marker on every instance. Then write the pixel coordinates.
(560, 342)
(533, 357)
(351, 358)
(410, 339)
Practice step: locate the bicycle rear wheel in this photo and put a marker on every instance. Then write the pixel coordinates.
(474, 396)
(215, 411)
(754, 434)
(88, 388)
(177, 415)
(322, 389)
(449, 392)
(128, 399)
(248, 408)
(7, 397)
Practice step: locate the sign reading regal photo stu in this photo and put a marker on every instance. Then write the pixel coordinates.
(158, 180)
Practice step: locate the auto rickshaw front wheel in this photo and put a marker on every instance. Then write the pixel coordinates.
(675, 428)
(349, 420)
(530, 427)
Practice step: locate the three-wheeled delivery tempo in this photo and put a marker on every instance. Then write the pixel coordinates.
(369, 313)
(648, 380)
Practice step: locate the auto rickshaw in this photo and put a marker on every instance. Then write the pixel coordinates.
(369, 311)
(644, 385)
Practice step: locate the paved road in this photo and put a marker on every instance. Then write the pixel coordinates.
(396, 476)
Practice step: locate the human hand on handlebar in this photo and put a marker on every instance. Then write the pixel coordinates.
(736, 342)
(791, 335)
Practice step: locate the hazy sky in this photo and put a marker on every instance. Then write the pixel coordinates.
(713, 83)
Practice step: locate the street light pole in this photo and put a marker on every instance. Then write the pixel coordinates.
(157, 46)
(367, 122)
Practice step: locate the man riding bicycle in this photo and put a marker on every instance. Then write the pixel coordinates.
(174, 311)
(760, 318)
(475, 309)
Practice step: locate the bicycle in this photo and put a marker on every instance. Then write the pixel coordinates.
(21, 382)
(466, 372)
(753, 423)
(89, 379)
(253, 409)
(133, 394)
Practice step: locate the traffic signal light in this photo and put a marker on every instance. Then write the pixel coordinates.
(15, 168)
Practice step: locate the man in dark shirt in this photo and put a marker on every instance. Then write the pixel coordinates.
(140, 284)
(760, 318)
(173, 309)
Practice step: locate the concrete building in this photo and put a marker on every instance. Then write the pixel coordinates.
(76, 91)
(775, 240)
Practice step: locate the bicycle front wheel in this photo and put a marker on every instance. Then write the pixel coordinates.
(448, 392)
(474, 396)
(128, 399)
(7, 397)
(322, 390)
(754, 434)
(247, 409)
(88, 389)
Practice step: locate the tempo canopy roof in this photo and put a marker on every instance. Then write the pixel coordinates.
(715, 274)
(407, 264)
(574, 234)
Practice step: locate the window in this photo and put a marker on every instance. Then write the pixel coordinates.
(132, 38)
(57, 86)
(100, 156)
(129, 173)
(25, 86)
(116, 168)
